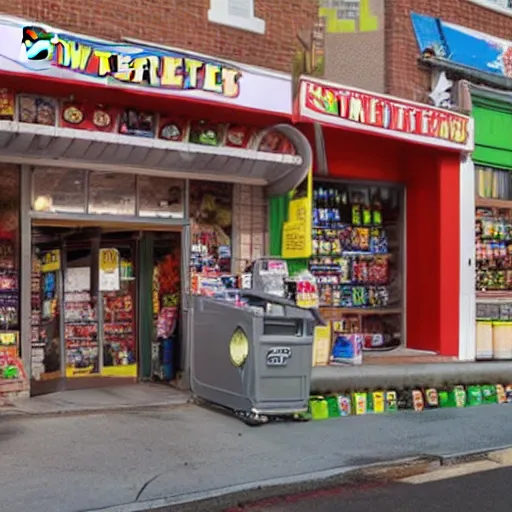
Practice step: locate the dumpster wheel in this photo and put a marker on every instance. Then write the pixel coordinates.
(252, 419)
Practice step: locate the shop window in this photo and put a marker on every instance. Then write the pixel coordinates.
(211, 212)
(111, 194)
(9, 268)
(160, 197)
(357, 254)
(493, 183)
(503, 6)
(237, 14)
(58, 190)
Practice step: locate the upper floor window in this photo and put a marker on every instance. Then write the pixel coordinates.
(236, 13)
(503, 6)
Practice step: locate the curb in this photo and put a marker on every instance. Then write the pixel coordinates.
(218, 500)
(19, 414)
(475, 455)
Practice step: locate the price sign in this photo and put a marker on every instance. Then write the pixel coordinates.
(109, 270)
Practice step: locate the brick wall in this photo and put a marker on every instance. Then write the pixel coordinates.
(179, 23)
(249, 225)
(403, 76)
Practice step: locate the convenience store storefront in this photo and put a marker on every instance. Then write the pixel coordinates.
(484, 59)
(129, 171)
(492, 205)
(389, 237)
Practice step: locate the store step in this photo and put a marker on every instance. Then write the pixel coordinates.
(337, 379)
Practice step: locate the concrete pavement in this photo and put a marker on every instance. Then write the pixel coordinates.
(78, 463)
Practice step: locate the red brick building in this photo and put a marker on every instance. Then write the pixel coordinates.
(181, 24)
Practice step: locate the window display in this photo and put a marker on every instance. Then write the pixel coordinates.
(80, 324)
(10, 363)
(356, 261)
(45, 334)
(211, 207)
(493, 253)
(119, 336)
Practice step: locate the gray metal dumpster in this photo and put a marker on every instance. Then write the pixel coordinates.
(254, 360)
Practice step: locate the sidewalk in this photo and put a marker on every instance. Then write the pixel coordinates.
(106, 399)
(78, 463)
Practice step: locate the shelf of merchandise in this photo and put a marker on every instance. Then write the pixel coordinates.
(494, 296)
(334, 311)
(483, 202)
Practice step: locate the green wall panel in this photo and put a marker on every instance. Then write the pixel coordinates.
(278, 213)
(493, 133)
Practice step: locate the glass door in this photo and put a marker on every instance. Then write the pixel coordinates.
(80, 315)
(46, 326)
(118, 299)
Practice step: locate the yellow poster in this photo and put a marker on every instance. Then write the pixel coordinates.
(322, 345)
(297, 231)
(51, 261)
(109, 260)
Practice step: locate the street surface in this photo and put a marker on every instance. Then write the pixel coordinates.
(480, 492)
(78, 463)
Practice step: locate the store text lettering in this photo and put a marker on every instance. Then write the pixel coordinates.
(382, 112)
(163, 71)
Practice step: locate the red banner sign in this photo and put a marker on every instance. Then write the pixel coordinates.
(353, 108)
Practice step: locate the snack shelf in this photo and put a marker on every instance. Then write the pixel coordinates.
(494, 295)
(360, 311)
(482, 202)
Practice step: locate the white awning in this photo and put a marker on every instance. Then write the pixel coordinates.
(47, 145)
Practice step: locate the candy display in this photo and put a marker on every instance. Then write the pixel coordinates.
(119, 347)
(80, 333)
(493, 247)
(351, 257)
(356, 263)
(9, 293)
(211, 210)
(45, 328)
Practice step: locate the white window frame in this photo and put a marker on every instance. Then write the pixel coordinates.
(219, 13)
(493, 6)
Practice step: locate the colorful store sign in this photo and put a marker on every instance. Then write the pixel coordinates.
(356, 109)
(37, 49)
(463, 46)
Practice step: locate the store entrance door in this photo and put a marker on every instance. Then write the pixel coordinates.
(84, 299)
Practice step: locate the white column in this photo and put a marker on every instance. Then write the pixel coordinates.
(467, 303)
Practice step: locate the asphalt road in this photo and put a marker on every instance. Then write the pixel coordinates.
(479, 492)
